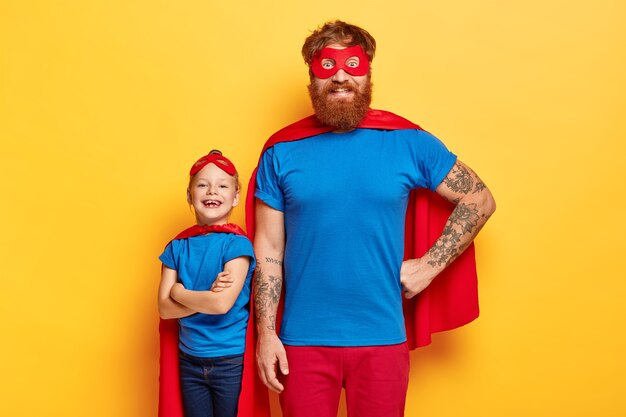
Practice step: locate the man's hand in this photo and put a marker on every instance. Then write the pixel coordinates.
(271, 355)
(415, 276)
(223, 280)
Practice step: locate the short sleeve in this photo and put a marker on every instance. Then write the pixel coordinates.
(237, 247)
(168, 258)
(267, 185)
(434, 160)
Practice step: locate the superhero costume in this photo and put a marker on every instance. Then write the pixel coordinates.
(450, 301)
(170, 399)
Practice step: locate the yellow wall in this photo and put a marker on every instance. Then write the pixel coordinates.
(105, 104)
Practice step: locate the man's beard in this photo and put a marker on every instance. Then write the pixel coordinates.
(342, 114)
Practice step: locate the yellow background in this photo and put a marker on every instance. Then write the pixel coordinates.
(105, 104)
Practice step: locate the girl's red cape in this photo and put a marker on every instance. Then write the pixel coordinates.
(450, 301)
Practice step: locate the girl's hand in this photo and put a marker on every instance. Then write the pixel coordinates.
(223, 280)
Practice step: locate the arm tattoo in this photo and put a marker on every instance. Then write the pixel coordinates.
(445, 248)
(267, 291)
(273, 261)
(459, 179)
(464, 217)
(479, 187)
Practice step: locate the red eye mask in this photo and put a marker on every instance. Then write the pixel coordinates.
(340, 59)
(220, 161)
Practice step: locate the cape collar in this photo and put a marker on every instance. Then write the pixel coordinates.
(197, 230)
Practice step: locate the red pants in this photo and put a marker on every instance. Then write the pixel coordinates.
(375, 379)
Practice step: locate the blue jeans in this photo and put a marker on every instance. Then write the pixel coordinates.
(210, 386)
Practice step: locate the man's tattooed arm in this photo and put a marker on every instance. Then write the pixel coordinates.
(267, 289)
(463, 222)
(269, 247)
(474, 204)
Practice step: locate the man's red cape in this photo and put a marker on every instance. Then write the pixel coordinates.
(450, 301)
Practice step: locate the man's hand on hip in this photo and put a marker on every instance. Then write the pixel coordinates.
(415, 276)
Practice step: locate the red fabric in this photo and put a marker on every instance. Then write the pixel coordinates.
(170, 399)
(220, 161)
(197, 230)
(340, 58)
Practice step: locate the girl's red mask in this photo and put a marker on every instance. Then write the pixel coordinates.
(220, 161)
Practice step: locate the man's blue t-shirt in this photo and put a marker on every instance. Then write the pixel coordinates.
(197, 261)
(344, 198)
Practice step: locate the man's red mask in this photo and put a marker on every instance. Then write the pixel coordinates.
(352, 60)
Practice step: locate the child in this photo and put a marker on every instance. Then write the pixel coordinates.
(205, 284)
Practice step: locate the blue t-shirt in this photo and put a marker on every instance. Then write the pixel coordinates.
(197, 261)
(344, 198)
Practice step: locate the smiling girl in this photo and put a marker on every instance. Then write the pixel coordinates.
(205, 284)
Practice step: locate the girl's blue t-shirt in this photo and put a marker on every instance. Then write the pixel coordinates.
(344, 198)
(197, 261)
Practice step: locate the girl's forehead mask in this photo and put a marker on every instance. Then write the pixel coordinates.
(220, 161)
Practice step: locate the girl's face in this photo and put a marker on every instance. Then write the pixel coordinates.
(213, 194)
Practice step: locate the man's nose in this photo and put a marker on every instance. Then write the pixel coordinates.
(340, 76)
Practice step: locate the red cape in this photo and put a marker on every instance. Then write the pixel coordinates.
(451, 300)
(170, 400)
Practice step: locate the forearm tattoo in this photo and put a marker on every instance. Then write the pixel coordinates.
(273, 261)
(445, 248)
(267, 289)
(464, 220)
(465, 216)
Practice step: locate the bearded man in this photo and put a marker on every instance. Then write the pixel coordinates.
(331, 195)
